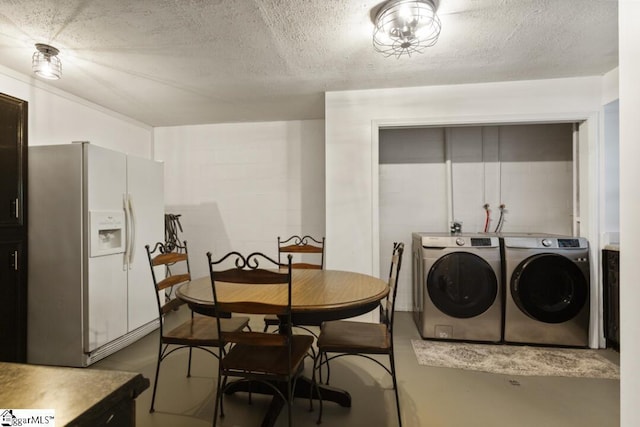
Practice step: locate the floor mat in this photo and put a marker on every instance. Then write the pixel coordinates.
(515, 360)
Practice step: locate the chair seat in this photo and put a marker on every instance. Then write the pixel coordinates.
(271, 360)
(203, 331)
(342, 336)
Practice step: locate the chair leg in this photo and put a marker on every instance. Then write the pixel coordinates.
(326, 360)
(290, 401)
(218, 400)
(189, 366)
(321, 364)
(224, 384)
(313, 384)
(319, 402)
(317, 365)
(155, 382)
(395, 386)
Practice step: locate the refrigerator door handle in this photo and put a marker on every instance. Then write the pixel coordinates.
(127, 221)
(132, 241)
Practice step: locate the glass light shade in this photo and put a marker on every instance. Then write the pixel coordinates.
(45, 62)
(406, 27)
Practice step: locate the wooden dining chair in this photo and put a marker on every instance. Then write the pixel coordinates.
(301, 246)
(170, 268)
(340, 338)
(274, 360)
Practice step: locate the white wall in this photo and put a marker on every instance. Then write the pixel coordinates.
(609, 160)
(240, 186)
(413, 195)
(352, 122)
(610, 180)
(610, 86)
(629, 34)
(57, 117)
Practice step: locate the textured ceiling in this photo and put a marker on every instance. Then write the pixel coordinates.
(174, 62)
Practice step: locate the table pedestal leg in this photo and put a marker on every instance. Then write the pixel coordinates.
(304, 386)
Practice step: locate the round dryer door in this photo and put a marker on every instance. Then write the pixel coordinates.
(462, 285)
(549, 288)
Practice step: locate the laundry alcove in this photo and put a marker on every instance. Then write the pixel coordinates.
(431, 176)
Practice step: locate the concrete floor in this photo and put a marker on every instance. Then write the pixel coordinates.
(438, 397)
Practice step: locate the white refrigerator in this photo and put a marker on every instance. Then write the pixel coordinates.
(92, 211)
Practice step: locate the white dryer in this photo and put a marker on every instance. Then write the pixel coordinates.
(547, 290)
(457, 292)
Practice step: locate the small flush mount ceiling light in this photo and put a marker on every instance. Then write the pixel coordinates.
(45, 62)
(405, 27)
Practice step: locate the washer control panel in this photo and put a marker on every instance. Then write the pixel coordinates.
(547, 242)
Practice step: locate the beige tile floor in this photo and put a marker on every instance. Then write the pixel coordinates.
(434, 397)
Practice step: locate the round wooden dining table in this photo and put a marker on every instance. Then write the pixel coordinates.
(316, 296)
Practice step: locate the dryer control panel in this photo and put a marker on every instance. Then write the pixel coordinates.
(481, 241)
(569, 243)
(441, 240)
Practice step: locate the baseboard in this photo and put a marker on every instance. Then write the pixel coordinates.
(120, 343)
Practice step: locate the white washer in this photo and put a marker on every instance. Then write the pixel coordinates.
(547, 290)
(457, 291)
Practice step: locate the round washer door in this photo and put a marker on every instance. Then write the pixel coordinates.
(549, 288)
(462, 285)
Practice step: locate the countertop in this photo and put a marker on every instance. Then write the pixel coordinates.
(612, 247)
(78, 395)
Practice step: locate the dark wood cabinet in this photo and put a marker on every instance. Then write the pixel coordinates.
(13, 161)
(13, 294)
(611, 282)
(13, 228)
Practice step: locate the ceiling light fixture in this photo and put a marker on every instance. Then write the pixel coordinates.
(403, 27)
(45, 62)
